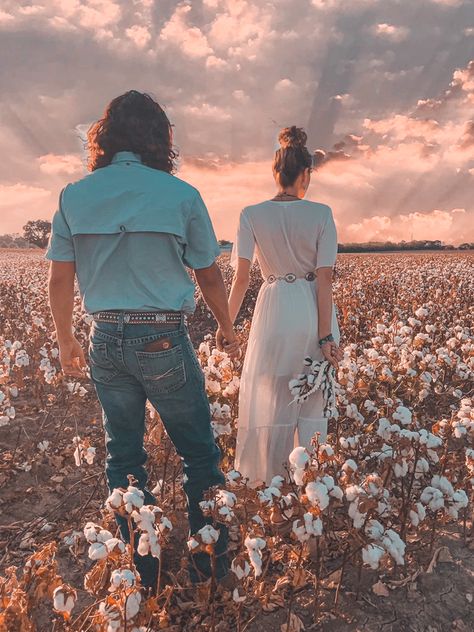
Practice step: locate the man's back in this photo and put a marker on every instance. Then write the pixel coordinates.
(132, 230)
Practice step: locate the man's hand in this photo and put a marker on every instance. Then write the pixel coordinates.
(71, 356)
(227, 341)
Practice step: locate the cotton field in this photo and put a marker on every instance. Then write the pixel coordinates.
(362, 517)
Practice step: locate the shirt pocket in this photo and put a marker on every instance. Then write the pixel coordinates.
(163, 372)
(103, 369)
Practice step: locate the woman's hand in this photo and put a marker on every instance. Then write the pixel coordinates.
(332, 353)
(228, 342)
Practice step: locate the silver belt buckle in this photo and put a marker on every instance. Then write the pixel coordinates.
(160, 318)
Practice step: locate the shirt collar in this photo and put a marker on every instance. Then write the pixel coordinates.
(126, 156)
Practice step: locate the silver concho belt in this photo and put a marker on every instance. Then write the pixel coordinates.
(290, 277)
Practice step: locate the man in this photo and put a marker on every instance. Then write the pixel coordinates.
(128, 231)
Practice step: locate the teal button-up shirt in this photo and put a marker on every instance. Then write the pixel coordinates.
(132, 231)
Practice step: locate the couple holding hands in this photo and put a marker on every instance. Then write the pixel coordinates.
(128, 231)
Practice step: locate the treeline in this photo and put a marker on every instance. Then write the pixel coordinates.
(36, 235)
(14, 241)
(385, 246)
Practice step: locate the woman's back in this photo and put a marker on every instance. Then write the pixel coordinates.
(290, 237)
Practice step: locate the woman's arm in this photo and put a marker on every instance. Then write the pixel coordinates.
(324, 276)
(331, 350)
(239, 287)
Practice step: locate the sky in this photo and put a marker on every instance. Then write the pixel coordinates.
(384, 87)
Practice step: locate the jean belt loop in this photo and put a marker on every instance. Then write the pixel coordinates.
(182, 323)
(120, 326)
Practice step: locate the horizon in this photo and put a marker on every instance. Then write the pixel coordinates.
(390, 104)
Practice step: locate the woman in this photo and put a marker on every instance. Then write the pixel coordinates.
(296, 246)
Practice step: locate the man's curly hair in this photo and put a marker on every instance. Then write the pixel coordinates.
(134, 122)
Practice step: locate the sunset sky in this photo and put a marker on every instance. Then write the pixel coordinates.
(387, 86)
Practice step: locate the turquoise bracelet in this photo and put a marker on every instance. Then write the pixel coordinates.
(328, 338)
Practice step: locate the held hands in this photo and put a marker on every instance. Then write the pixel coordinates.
(332, 353)
(227, 341)
(71, 356)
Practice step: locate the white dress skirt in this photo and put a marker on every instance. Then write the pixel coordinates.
(288, 237)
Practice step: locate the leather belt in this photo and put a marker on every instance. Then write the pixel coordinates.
(290, 277)
(138, 318)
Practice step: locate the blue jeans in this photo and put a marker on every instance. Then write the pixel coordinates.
(125, 376)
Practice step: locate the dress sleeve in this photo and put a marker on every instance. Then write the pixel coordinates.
(201, 249)
(327, 243)
(244, 245)
(60, 245)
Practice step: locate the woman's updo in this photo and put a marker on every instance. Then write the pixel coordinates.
(292, 157)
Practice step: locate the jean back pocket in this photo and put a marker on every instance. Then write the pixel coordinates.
(162, 371)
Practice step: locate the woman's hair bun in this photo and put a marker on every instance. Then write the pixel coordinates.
(292, 137)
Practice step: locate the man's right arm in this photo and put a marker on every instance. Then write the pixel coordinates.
(213, 291)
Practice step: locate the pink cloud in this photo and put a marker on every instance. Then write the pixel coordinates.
(190, 39)
(52, 164)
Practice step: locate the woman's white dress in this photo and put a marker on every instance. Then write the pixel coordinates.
(286, 237)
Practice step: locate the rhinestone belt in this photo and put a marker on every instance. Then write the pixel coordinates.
(136, 318)
(290, 277)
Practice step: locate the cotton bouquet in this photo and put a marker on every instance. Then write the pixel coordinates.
(321, 375)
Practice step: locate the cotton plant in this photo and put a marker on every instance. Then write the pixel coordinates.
(153, 526)
(382, 540)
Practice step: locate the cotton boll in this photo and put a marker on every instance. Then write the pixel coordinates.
(240, 567)
(238, 594)
(384, 428)
(317, 494)
(298, 476)
(64, 599)
(97, 551)
(254, 547)
(208, 534)
(394, 546)
(403, 415)
(299, 457)
(267, 495)
(192, 544)
(313, 526)
(299, 531)
(350, 466)
(353, 492)
(442, 483)
(122, 577)
(371, 555)
(115, 545)
(277, 481)
(325, 450)
(133, 604)
(143, 544)
(90, 532)
(374, 529)
(133, 498)
(103, 535)
(114, 501)
(400, 469)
